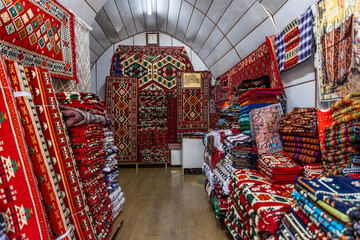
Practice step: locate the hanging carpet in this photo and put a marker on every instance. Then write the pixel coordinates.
(39, 33)
(122, 108)
(193, 101)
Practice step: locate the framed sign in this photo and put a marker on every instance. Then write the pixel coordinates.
(192, 80)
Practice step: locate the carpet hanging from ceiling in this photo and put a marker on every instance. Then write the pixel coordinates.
(259, 63)
(122, 108)
(39, 33)
(338, 48)
(21, 204)
(42, 165)
(155, 67)
(61, 154)
(193, 101)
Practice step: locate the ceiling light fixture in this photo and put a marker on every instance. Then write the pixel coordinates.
(149, 7)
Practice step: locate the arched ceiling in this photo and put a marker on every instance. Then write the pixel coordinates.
(226, 30)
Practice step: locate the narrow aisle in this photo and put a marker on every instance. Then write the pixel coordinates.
(164, 204)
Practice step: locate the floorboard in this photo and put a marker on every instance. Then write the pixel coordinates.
(164, 204)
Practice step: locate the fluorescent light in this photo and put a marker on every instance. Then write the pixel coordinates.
(149, 7)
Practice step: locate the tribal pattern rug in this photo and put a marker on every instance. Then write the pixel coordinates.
(155, 67)
(39, 33)
(193, 103)
(21, 204)
(122, 108)
(61, 154)
(42, 165)
(172, 119)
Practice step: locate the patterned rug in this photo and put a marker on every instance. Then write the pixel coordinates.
(21, 204)
(172, 119)
(60, 152)
(193, 101)
(42, 165)
(122, 108)
(155, 67)
(39, 33)
(259, 63)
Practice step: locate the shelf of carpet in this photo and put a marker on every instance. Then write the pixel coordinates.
(117, 224)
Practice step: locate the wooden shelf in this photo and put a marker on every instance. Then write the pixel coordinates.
(116, 225)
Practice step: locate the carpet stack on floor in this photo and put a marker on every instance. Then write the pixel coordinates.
(153, 129)
(342, 137)
(299, 135)
(278, 168)
(255, 207)
(111, 173)
(325, 208)
(252, 99)
(86, 134)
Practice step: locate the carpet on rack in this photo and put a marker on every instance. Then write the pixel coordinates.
(193, 101)
(122, 109)
(21, 203)
(42, 165)
(43, 36)
(60, 151)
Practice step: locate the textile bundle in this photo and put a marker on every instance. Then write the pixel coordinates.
(153, 131)
(86, 132)
(324, 208)
(300, 137)
(41, 162)
(21, 203)
(60, 152)
(342, 137)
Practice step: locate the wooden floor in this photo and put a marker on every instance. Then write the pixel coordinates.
(164, 204)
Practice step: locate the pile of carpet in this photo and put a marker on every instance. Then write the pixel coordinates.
(86, 133)
(342, 137)
(300, 137)
(153, 129)
(111, 173)
(255, 98)
(325, 208)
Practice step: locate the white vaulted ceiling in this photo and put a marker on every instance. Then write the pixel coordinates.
(221, 32)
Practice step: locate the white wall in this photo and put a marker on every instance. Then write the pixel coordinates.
(101, 69)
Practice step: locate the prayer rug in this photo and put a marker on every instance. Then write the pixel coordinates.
(172, 119)
(39, 33)
(255, 65)
(122, 108)
(60, 152)
(293, 43)
(43, 168)
(21, 203)
(155, 67)
(193, 101)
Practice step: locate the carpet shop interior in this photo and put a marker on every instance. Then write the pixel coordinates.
(179, 119)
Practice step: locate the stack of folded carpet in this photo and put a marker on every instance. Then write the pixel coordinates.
(325, 208)
(313, 170)
(299, 135)
(342, 137)
(255, 207)
(86, 133)
(111, 173)
(153, 130)
(241, 150)
(253, 99)
(278, 168)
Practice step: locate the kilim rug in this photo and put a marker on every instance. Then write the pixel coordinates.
(255, 65)
(39, 33)
(155, 67)
(172, 119)
(60, 152)
(39, 155)
(21, 204)
(334, 14)
(193, 101)
(122, 107)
